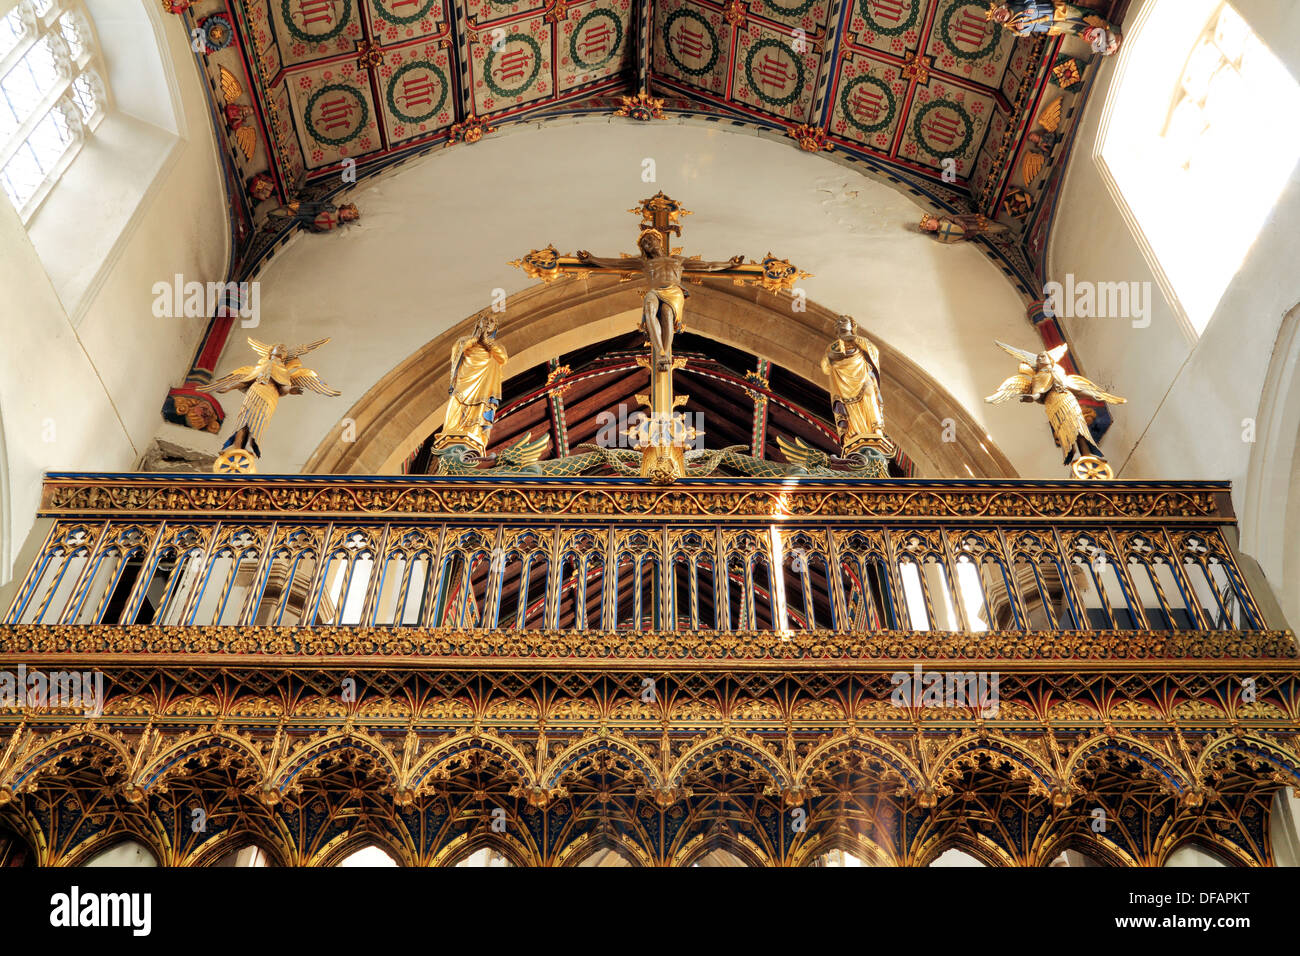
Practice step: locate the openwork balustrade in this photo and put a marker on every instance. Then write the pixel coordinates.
(623, 557)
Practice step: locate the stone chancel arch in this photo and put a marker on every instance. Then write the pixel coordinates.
(545, 321)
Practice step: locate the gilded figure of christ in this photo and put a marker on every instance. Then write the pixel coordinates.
(665, 302)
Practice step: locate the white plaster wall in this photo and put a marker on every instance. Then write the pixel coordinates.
(1187, 399)
(434, 240)
(83, 391)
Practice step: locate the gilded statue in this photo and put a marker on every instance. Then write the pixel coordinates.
(665, 302)
(278, 371)
(853, 364)
(477, 363)
(1041, 379)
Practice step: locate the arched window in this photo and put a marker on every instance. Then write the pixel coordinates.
(1186, 165)
(52, 94)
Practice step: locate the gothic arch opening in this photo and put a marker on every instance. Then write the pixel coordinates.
(391, 421)
(956, 857)
(1195, 853)
(367, 856)
(125, 853)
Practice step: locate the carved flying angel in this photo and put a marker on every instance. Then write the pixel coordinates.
(1042, 141)
(1039, 378)
(238, 116)
(278, 371)
(276, 363)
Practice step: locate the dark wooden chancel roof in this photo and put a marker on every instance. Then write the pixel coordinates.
(584, 395)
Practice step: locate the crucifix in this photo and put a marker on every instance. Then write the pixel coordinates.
(663, 438)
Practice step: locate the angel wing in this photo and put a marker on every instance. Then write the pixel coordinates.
(246, 137)
(261, 348)
(1015, 386)
(1083, 386)
(299, 350)
(1050, 118)
(801, 454)
(1032, 166)
(524, 452)
(1029, 358)
(301, 377)
(245, 373)
(230, 88)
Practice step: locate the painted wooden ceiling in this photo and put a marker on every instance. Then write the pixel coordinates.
(928, 93)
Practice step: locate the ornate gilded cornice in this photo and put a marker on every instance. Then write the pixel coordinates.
(441, 648)
(214, 496)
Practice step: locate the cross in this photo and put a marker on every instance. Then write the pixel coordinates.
(663, 270)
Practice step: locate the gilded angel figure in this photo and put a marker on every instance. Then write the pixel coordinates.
(1040, 379)
(278, 371)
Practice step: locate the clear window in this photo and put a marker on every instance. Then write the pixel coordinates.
(1189, 165)
(52, 95)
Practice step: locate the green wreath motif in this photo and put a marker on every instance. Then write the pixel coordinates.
(400, 21)
(668, 46)
(573, 39)
(934, 105)
(392, 91)
(492, 55)
(873, 24)
(959, 53)
(749, 74)
(315, 37)
(341, 88)
(848, 111)
(796, 11)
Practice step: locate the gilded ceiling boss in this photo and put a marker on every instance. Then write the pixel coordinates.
(477, 361)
